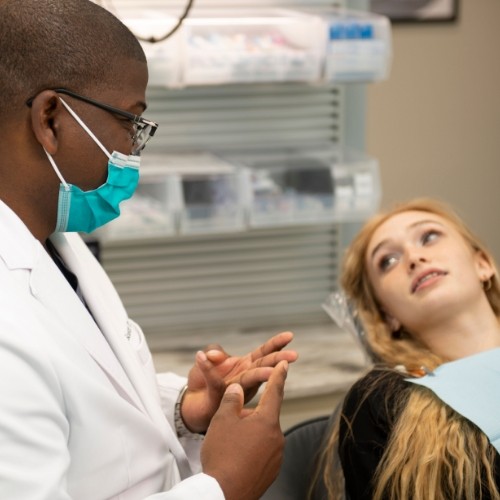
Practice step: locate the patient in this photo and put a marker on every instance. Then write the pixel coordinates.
(424, 423)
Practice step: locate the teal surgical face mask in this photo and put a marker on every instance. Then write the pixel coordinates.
(85, 211)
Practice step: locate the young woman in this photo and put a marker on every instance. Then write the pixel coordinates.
(427, 294)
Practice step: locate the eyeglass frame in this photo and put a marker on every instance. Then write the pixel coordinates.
(135, 119)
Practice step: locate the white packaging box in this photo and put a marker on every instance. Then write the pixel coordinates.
(359, 47)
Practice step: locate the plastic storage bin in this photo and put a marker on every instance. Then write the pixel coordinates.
(207, 192)
(163, 57)
(359, 47)
(302, 186)
(357, 186)
(151, 212)
(246, 46)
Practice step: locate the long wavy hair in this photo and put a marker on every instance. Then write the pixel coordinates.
(433, 452)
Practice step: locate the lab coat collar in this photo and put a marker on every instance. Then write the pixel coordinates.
(104, 304)
(20, 250)
(18, 247)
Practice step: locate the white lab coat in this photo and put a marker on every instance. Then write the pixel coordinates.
(81, 416)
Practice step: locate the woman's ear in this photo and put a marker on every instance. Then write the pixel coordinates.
(392, 322)
(45, 117)
(485, 269)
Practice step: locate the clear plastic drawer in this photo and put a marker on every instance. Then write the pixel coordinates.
(164, 62)
(245, 46)
(149, 213)
(208, 192)
(302, 186)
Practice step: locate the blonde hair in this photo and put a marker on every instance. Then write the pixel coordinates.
(448, 457)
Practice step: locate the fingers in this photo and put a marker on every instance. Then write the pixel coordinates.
(272, 397)
(254, 377)
(216, 356)
(213, 347)
(215, 353)
(208, 370)
(273, 359)
(232, 400)
(243, 449)
(274, 344)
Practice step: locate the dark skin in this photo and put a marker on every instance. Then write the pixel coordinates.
(47, 124)
(242, 449)
(256, 440)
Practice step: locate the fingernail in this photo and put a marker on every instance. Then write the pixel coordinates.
(213, 352)
(233, 389)
(201, 356)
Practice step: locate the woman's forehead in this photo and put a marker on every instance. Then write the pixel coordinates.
(401, 224)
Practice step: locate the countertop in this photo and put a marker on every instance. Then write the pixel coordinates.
(329, 359)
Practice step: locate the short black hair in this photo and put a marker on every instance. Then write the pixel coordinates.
(60, 43)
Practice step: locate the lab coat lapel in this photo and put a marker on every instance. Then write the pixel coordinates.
(102, 301)
(105, 341)
(110, 315)
(42, 279)
(51, 288)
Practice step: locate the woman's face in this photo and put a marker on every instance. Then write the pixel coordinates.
(423, 271)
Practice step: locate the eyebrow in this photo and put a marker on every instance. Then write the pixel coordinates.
(411, 226)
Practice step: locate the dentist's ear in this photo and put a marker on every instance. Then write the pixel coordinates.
(45, 118)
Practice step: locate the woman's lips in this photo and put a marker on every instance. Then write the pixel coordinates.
(425, 278)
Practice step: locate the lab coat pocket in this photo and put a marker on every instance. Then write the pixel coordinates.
(140, 346)
(138, 342)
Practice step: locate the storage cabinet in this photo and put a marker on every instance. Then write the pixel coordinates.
(256, 177)
(234, 45)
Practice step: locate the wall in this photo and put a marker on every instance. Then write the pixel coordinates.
(434, 124)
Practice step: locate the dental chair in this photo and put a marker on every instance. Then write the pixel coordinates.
(302, 446)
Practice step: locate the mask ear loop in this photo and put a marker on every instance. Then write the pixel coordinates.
(80, 122)
(57, 171)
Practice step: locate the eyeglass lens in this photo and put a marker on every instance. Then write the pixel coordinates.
(142, 136)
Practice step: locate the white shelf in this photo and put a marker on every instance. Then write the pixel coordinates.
(309, 186)
(203, 193)
(277, 45)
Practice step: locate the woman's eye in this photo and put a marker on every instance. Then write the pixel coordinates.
(386, 262)
(430, 236)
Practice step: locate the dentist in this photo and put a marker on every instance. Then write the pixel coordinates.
(83, 415)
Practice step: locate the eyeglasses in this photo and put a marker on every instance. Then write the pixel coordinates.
(143, 129)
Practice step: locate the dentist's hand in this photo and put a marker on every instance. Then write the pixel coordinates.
(215, 370)
(243, 449)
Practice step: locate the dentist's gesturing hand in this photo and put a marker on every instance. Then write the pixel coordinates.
(215, 370)
(243, 449)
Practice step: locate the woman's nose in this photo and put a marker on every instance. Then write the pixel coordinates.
(415, 258)
(413, 263)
